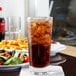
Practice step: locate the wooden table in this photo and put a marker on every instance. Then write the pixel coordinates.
(71, 51)
(69, 66)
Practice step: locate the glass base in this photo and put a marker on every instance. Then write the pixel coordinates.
(40, 74)
(40, 71)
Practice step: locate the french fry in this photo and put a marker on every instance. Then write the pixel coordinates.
(18, 44)
(19, 36)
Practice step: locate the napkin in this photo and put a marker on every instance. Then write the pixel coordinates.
(53, 71)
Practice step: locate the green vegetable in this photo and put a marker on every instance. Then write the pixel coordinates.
(3, 57)
(13, 53)
(13, 61)
(16, 54)
(1, 60)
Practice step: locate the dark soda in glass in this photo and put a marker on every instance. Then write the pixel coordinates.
(39, 37)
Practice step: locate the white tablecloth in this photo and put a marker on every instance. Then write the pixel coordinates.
(55, 71)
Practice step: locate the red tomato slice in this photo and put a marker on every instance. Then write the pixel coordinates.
(7, 55)
(26, 59)
(53, 42)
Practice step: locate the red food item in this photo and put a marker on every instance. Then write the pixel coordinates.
(7, 55)
(26, 59)
(53, 42)
(0, 63)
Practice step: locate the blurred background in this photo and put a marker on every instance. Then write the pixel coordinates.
(63, 12)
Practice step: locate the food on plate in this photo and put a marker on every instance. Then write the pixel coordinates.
(26, 59)
(19, 44)
(13, 58)
(53, 42)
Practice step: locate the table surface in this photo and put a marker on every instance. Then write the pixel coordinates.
(69, 66)
(70, 50)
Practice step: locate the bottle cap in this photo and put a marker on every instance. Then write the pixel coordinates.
(0, 8)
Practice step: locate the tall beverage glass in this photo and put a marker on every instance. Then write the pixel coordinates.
(39, 37)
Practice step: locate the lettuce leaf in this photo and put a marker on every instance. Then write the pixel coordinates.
(1, 60)
(13, 61)
(3, 57)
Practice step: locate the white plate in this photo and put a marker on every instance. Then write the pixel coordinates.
(26, 51)
(56, 48)
(22, 65)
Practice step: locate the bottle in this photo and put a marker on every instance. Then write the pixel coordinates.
(2, 26)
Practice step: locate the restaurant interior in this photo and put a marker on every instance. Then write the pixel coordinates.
(37, 37)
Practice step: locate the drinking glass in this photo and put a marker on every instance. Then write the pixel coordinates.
(13, 27)
(39, 31)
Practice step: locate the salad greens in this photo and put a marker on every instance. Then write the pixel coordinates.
(1, 61)
(12, 58)
(13, 61)
(3, 57)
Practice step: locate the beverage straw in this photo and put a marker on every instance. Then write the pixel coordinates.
(51, 6)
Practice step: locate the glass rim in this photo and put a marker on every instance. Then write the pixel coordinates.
(33, 18)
